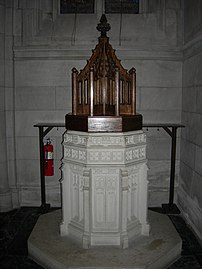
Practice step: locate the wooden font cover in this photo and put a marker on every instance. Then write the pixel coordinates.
(103, 92)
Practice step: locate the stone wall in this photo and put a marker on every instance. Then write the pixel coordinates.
(190, 199)
(43, 48)
(46, 51)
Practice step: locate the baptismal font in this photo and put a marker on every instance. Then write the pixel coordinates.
(104, 183)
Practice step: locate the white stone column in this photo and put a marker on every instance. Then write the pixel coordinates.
(124, 209)
(66, 200)
(143, 199)
(86, 209)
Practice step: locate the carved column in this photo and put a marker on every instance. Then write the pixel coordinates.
(86, 207)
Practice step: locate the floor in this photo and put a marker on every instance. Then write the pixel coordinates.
(16, 226)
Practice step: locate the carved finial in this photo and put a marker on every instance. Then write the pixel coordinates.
(103, 26)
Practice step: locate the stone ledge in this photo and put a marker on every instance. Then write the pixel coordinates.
(83, 53)
(48, 248)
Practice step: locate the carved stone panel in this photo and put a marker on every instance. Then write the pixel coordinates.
(105, 196)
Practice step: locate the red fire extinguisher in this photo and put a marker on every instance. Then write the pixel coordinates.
(48, 158)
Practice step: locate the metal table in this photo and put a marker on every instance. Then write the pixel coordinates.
(170, 128)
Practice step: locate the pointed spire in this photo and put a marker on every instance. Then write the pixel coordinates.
(103, 26)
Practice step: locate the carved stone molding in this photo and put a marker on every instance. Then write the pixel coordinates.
(94, 148)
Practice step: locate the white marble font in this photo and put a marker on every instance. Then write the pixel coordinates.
(104, 188)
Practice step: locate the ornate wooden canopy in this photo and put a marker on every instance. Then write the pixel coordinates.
(103, 92)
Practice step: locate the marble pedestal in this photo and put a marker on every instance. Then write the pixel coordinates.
(104, 188)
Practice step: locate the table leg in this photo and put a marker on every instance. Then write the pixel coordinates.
(171, 208)
(44, 206)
